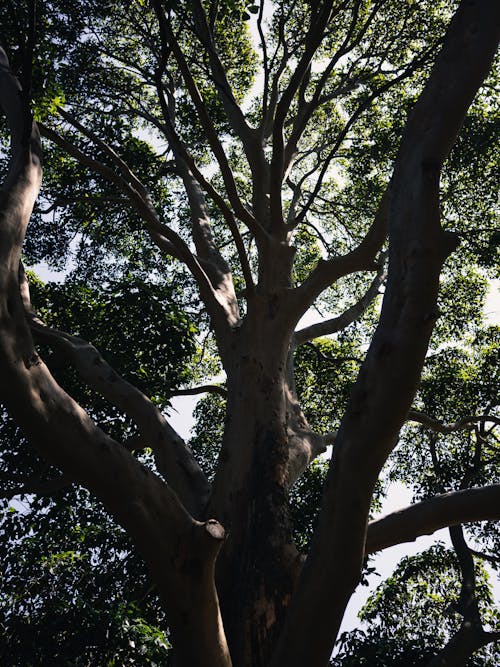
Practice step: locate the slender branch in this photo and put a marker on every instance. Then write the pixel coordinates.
(355, 116)
(233, 111)
(464, 423)
(334, 324)
(265, 61)
(202, 389)
(87, 199)
(494, 560)
(108, 151)
(160, 233)
(306, 109)
(169, 41)
(335, 361)
(424, 518)
(471, 635)
(312, 41)
(193, 179)
(361, 258)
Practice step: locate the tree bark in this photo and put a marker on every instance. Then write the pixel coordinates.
(424, 518)
(257, 564)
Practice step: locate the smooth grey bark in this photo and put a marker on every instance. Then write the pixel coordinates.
(424, 518)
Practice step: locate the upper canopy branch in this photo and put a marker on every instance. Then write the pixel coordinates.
(233, 111)
(194, 182)
(169, 42)
(351, 121)
(165, 237)
(313, 39)
(307, 108)
(362, 258)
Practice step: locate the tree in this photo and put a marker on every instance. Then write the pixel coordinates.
(136, 145)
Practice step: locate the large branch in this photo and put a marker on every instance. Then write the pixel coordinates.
(173, 458)
(64, 434)
(424, 518)
(390, 375)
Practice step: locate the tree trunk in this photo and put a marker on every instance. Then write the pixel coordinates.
(256, 567)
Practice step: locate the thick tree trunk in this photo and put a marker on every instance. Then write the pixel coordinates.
(256, 567)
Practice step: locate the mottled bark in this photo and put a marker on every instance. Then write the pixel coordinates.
(256, 566)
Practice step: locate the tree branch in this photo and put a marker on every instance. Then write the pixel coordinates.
(202, 389)
(173, 458)
(388, 379)
(437, 426)
(424, 518)
(334, 324)
(306, 109)
(160, 233)
(37, 486)
(231, 107)
(361, 258)
(169, 40)
(141, 502)
(313, 39)
(202, 234)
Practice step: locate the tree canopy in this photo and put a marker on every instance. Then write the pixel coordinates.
(290, 209)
